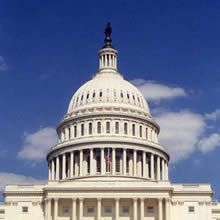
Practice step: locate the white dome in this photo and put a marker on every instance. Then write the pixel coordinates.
(108, 89)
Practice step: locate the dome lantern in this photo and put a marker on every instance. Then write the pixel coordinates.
(108, 55)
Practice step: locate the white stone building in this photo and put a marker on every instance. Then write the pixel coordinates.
(108, 164)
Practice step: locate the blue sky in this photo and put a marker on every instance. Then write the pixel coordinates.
(49, 48)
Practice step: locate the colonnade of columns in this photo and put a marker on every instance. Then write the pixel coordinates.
(108, 161)
(138, 209)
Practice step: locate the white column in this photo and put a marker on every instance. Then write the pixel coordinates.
(48, 209)
(135, 209)
(64, 167)
(99, 204)
(116, 209)
(91, 162)
(57, 168)
(158, 168)
(142, 208)
(53, 169)
(71, 164)
(102, 161)
(135, 162)
(124, 161)
(160, 211)
(144, 165)
(73, 209)
(55, 209)
(147, 168)
(130, 165)
(167, 171)
(76, 165)
(152, 165)
(81, 162)
(167, 203)
(80, 208)
(163, 169)
(113, 160)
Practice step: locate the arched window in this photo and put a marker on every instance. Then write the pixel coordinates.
(146, 133)
(133, 129)
(69, 132)
(116, 127)
(75, 130)
(90, 128)
(125, 128)
(140, 131)
(107, 127)
(99, 127)
(82, 129)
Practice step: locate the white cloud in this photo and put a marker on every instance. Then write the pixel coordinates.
(154, 91)
(214, 115)
(207, 144)
(180, 132)
(12, 178)
(3, 64)
(36, 145)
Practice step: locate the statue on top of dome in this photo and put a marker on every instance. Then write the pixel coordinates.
(108, 32)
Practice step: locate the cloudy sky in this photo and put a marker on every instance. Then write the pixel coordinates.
(168, 49)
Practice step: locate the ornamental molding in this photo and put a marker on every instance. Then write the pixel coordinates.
(107, 144)
(145, 118)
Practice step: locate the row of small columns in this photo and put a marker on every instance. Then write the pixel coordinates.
(161, 172)
(107, 60)
(67, 133)
(48, 209)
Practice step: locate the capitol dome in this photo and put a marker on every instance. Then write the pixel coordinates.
(108, 89)
(108, 130)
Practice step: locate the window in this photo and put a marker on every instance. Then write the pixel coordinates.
(81, 97)
(125, 209)
(107, 127)
(69, 132)
(75, 131)
(191, 209)
(140, 130)
(93, 95)
(146, 133)
(2, 211)
(116, 127)
(66, 210)
(82, 129)
(98, 164)
(121, 95)
(150, 209)
(87, 96)
(128, 96)
(133, 129)
(90, 210)
(99, 127)
(118, 158)
(100, 94)
(90, 128)
(24, 209)
(108, 209)
(126, 128)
